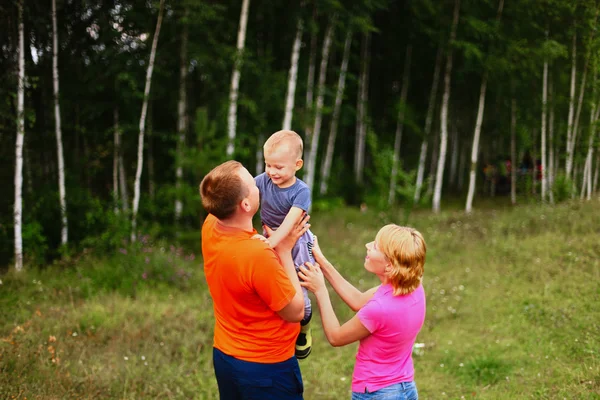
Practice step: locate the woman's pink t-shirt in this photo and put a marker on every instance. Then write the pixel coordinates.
(384, 357)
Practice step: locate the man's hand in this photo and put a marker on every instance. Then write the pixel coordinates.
(287, 244)
(261, 237)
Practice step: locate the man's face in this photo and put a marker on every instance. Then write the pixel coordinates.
(253, 193)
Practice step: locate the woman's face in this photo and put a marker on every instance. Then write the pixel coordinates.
(375, 261)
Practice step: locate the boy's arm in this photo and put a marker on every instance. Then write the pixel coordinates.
(291, 219)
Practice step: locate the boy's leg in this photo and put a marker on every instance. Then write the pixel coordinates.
(302, 253)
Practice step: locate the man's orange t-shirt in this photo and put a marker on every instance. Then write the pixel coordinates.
(248, 286)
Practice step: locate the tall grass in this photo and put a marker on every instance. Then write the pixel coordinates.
(513, 312)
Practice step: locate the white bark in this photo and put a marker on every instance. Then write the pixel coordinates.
(461, 166)
(18, 206)
(400, 125)
(181, 121)
(587, 180)
(314, 142)
(116, 151)
(575, 131)
(428, 121)
(475, 148)
(326, 165)
(543, 128)
(361, 127)
(310, 83)
(596, 174)
(64, 233)
(293, 78)
(434, 160)
(235, 80)
(513, 150)
(142, 125)
(439, 179)
(260, 162)
(568, 161)
(551, 164)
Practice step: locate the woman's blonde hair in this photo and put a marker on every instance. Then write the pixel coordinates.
(405, 249)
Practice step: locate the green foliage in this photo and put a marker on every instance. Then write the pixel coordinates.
(562, 188)
(35, 243)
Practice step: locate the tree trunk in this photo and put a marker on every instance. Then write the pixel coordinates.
(150, 129)
(428, 121)
(326, 165)
(123, 182)
(314, 142)
(461, 167)
(587, 181)
(181, 120)
(260, 163)
(235, 80)
(293, 78)
(571, 146)
(475, 148)
(361, 128)
(596, 173)
(310, 84)
(439, 179)
(433, 163)
(454, 159)
(569, 161)
(513, 149)
(64, 233)
(543, 128)
(142, 126)
(116, 151)
(400, 125)
(551, 164)
(18, 207)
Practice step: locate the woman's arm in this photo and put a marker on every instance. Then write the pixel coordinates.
(337, 335)
(354, 298)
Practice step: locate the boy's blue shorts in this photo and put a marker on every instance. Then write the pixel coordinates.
(244, 380)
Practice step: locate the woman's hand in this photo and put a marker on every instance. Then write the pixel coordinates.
(287, 244)
(317, 252)
(311, 277)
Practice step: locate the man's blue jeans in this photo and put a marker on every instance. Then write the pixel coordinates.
(244, 380)
(399, 391)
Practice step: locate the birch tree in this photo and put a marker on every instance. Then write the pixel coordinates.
(361, 128)
(513, 149)
(181, 118)
(64, 233)
(18, 207)
(116, 151)
(400, 125)
(568, 160)
(310, 83)
(428, 121)
(293, 77)
(339, 95)
(439, 179)
(235, 80)
(477, 132)
(543, 127)
(142, 125)
(551, 164)
(314, 142)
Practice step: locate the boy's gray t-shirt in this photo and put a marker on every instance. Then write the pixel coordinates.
(275, 202)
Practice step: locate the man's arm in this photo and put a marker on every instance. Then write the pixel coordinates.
(294, 311)
(286, 227)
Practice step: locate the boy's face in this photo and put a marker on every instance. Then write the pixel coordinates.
(281, 165)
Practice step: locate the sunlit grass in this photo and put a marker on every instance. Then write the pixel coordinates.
(513, 312)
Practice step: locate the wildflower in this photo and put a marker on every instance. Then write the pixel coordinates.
(123, 251)
(52, 339)
(145, 275)
(74, 334)
(126, 358)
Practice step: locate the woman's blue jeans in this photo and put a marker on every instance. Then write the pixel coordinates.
(399, 391)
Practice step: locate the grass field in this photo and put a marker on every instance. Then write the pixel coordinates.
(513, 312)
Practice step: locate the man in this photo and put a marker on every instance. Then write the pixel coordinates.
(257, 298)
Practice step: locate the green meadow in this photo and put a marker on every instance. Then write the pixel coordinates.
(513, 312)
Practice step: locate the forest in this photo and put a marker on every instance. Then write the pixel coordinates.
(112, 111)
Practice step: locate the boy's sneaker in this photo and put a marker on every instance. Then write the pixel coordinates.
(304, 342)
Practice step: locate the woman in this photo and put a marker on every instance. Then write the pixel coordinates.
(389, 316)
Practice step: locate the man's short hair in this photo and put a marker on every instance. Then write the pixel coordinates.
(285, 137)
(222, 190)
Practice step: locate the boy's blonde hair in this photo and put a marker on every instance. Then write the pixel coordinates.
(405, 249)
(285, 137)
